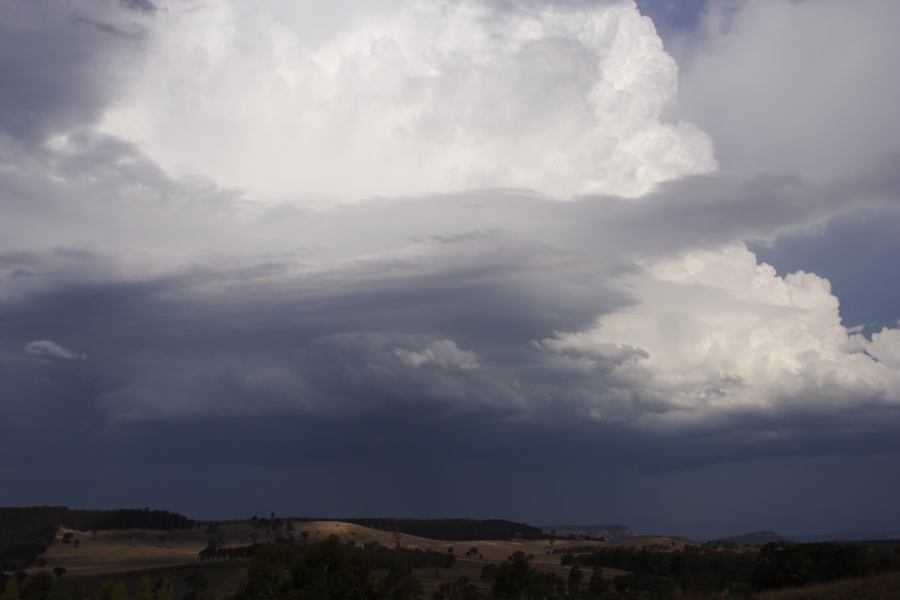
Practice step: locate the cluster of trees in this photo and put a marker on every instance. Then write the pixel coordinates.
(334, 570)
(517, 579)
(785, 564)
(331, 570)
(213, 551)
(18, 587)
(323, 571)
(461, 589)
(272, 523)
(40, 587)
(85, 520)
(704, 570)
(126, 518)
(20, 546)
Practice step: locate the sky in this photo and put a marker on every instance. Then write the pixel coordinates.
(559, 261)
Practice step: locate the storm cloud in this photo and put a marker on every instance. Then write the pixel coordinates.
(392, 245)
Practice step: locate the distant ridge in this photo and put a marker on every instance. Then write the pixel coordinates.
(847, 536)
(610, 533)
(754, 538)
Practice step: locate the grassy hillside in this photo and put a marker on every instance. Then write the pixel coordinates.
(456, 529)
(26, 532)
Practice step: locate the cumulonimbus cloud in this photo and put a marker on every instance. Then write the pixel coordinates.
(723, 334)
(429, 97)
(647, 313)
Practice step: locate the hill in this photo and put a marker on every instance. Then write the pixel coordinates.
(455, 529)
(25, 532)
(755, 538)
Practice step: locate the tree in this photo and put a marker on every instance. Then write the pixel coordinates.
(461, 589)
(59, 572)
(268, 571)
(39, 586)
(400, 584)
(517, 580)
(11, 591)
(165, 590)
(196, 583)
(576, 576)
(143, 591)
(106, 590)
(489, 573)
(120, 592)
(598, 585)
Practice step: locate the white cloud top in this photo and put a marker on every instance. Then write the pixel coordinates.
(429, 97)
(723, 334)
(885, 346)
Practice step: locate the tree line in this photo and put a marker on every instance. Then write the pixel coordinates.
(705, 570)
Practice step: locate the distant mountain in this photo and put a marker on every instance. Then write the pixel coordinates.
(610, 533)
(755, 538)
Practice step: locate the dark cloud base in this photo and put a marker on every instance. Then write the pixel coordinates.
(411, 463)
